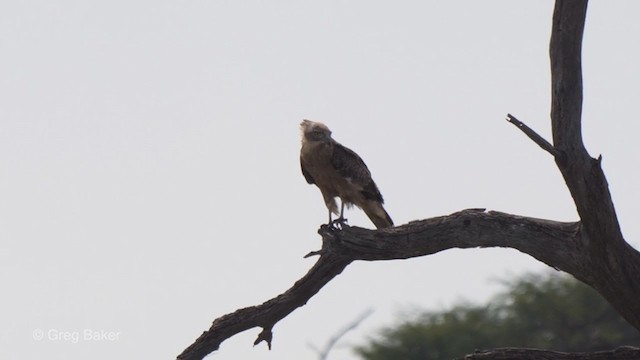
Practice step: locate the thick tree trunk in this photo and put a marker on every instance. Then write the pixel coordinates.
(608, 263)
(592, 249)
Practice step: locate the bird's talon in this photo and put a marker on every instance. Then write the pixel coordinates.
(337, 223)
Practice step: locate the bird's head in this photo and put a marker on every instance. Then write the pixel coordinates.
(315, 131)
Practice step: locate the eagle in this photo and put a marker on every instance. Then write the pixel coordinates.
(339, 172)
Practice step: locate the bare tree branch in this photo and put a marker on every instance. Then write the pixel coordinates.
(269, 313)
(544, 144)
(554, 243)
(566, 76)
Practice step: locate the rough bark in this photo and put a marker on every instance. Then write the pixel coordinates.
(591, 249)
(270, 312)
(613, 266)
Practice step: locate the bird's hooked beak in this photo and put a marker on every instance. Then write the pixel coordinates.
(327, 138)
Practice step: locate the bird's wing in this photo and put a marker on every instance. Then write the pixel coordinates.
(350, 166)
(306, 174)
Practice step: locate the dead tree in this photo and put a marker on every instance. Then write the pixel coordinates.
(591, 249)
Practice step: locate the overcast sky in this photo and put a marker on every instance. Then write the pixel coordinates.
(149, 171)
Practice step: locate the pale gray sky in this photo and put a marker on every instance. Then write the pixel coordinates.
(149, 174)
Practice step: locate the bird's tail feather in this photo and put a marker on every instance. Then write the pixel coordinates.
(378, 215)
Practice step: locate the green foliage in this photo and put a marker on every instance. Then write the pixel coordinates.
(551, 312)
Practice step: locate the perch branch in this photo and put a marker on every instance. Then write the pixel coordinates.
(551, 242)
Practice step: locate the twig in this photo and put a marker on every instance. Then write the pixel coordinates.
(324, 353)
(533, 136)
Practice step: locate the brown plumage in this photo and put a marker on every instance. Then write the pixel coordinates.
(339, 172)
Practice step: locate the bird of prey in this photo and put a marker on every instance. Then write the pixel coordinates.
(339, 172)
